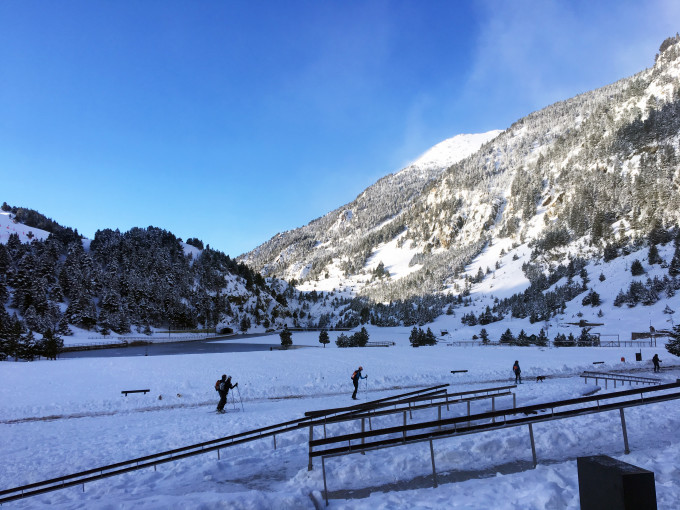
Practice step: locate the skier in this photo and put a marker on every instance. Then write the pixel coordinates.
(223, 389)
(518, 372)
(355, 379)
(656, 361)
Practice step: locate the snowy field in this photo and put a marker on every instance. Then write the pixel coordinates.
(61, 417)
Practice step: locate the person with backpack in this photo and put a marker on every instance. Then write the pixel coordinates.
(223, 386)
(656, 361)
(355, 379)
(518, 372)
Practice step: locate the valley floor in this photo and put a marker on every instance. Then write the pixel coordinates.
(61, 417)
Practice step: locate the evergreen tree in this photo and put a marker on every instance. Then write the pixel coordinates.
(560, 340)
(286, 338)
(636, 268)
(361, 337)
(585, 339)
(507, 337)
(323, 338)
(522, 339)
(673, 345)
(484, 335)
(653, 256)
(674, 267)
(27, 348)
(14, 331)
(245, 324)
(419, 337)
(414, 337)
(591, 299)
(571, 340)
(343, 341)
(53, 344)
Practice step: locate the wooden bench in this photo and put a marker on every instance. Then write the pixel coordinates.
(125, 392)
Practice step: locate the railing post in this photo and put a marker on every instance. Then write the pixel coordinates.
(493, 408)
(533, 445)
(274, 441)
(434, 471)
(404, 425)
(625, 434)
(325, 487)
(468, 412)
(363, 430)
(311, 438)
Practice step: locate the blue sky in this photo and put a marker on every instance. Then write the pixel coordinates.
(232, 121)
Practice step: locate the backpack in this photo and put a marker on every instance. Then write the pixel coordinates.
(354, 375)
(217, 384)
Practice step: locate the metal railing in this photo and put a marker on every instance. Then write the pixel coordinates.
(403, 404)
(361, 442)
(148, 461)
(622, 378)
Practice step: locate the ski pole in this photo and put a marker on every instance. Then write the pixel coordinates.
(239, 396)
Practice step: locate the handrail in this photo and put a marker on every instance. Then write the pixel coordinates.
(612, 376)
(439, 429)
(153, 459)
(526, 410)
(325, 412)
(437, 433)
(370, 413)
(117, 468)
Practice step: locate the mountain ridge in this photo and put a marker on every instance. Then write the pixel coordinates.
(587, 153)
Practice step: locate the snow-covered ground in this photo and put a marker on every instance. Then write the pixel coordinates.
(65, 416)
(25, 233)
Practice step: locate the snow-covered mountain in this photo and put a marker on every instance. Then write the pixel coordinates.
(595, 171)
(331, 243)
(504, 225)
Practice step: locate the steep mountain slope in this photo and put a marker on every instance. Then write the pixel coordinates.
(347, 234)
(601, 168)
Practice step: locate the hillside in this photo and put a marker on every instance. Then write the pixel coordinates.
(56, 283)
(598, 171)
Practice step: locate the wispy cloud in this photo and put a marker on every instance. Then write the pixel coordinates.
(538, 52)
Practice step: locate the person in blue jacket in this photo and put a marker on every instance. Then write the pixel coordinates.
(518, 372)
(355, 379)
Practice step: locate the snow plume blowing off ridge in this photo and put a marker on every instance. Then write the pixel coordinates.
(451, 151)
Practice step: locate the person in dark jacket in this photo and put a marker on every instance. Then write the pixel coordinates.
(656, 361)
(223, 390)
(355, 379)
(518, 372)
